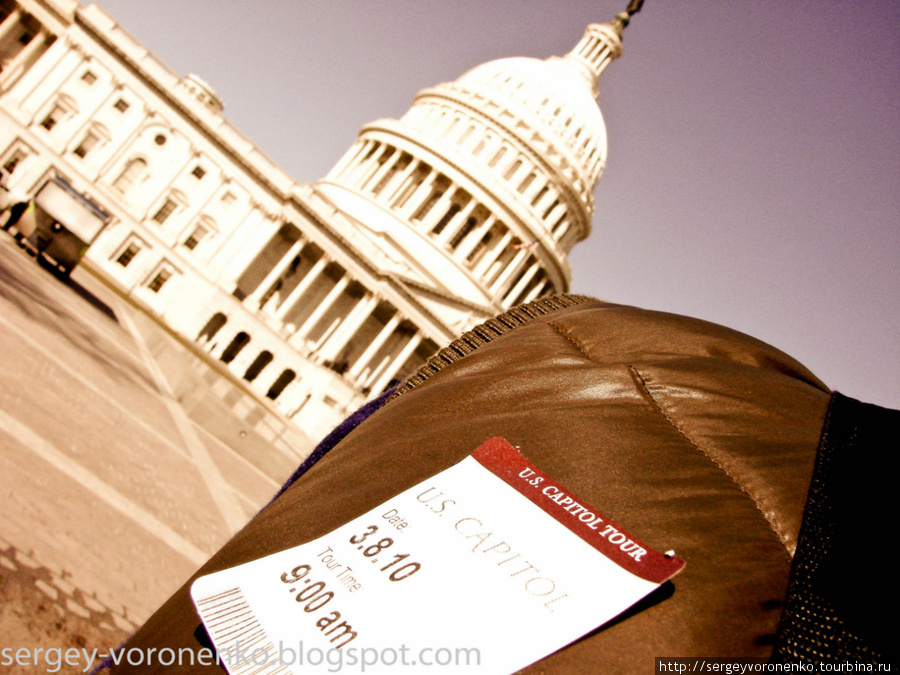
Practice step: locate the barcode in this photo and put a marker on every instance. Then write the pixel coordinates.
(242, 643)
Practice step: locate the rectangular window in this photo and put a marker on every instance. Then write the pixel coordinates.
(126, 256)
(228, 198)
(159, 280)
(121, 105)
(198, 172)
(15, 158)
(525, 183)
(511, 171)
(539, 195)
(88, 77)
(550, 208)
(164, 211)
(497, 156)
(53, 118)
(194, 237)
(86, 145)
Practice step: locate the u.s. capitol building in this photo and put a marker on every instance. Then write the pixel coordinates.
(314, 297)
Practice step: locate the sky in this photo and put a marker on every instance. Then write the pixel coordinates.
(754, 145)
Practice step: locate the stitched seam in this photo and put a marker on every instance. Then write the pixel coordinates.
(643, 384)
(571, 339)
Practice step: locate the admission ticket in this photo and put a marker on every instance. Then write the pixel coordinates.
(491, 558)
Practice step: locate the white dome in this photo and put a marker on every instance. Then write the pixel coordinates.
(487, 182)
(559, 96)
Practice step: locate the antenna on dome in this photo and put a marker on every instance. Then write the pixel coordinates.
(623, 18)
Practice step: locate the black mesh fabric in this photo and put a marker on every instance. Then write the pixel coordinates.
(842, 593)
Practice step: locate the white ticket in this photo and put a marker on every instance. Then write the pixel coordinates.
(486, 567)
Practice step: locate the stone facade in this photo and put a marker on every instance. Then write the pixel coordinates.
(313, 297)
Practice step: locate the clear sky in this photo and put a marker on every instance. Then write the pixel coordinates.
(754, 145)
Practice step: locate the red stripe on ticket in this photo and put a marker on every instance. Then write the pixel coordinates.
(504, 461)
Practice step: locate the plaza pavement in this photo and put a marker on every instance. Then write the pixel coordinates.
(111, 494)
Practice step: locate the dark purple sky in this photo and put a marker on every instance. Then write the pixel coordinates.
(752, 177)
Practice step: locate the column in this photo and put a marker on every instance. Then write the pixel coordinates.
(376, 163)
(274, 274)
(422, 195)
(242, 246)
(326, 335)
(544, 204)
(42, 68)
(437, 211)
(419, 195)
(322, 308)
(14, 68)
(560, 231)
(400, 179)
(375, 345)
(538, 290)
(386, 166)
(301, 288)
(345, 161)
(457, 222)
(470, 242)
(533, 190)
(511, 268)
(519, 288)
(345, 332)
(554, 215)
(397, 363)
(493, 254)
(357, 167)
(9, 23)
(125, 145)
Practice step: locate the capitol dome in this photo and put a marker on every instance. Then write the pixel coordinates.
(559, 107)
(483, 187)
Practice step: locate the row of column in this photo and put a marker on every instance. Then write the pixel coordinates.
(392, 177)
(457, 222)
(19, 63)
(336, 337)
(550, 208)
(596, 50)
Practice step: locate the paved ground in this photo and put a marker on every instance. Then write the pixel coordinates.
(110, 495)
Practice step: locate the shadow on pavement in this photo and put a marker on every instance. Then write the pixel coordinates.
(78, 288)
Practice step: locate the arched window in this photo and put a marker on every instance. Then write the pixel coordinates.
(283, 381)
(260, 362)
(234, 348)
(209, 330)
(133, 173)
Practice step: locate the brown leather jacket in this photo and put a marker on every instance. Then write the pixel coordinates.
(694, 437)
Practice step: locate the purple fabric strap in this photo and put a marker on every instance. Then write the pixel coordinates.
(332, 439)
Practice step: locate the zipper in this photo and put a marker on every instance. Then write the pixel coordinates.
(491, 329)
